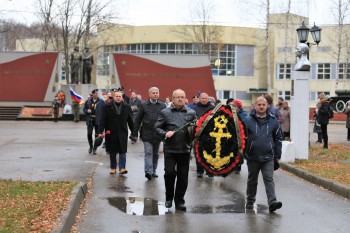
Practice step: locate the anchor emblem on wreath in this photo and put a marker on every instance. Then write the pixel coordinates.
(220, 131)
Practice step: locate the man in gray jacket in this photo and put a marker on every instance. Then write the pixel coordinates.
(263, 148)
(145, 119)
(172, 127)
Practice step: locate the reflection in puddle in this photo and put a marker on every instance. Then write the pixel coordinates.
(148, 206)
(138, 205)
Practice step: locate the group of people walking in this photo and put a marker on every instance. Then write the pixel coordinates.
(154, 122)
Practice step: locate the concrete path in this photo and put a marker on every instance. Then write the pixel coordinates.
(58, 151)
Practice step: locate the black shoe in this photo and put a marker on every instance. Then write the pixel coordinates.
(168, 204)
(94, 151)
(104, 145)
(210, 175)
(90, 150)
(148, 176)
(275, 206)
(155, 175)
(199, 175)
(180, 207)
(249, 206)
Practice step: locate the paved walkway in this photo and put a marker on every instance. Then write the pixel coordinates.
(58, 151)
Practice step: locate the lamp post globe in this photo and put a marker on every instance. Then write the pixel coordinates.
(303, 33)
(316, 33)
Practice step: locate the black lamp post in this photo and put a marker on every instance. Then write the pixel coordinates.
(303, 33)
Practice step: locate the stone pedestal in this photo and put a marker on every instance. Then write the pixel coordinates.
(300, 114)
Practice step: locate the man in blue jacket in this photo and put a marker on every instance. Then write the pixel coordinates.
(264, 145)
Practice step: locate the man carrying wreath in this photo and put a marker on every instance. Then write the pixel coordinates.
(171, 126)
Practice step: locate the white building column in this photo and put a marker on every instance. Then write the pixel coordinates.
(300, 114)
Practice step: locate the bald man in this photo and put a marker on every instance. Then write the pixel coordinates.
(264, 146)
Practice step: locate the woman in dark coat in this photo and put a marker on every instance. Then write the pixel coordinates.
(323, 119)
(115, 119)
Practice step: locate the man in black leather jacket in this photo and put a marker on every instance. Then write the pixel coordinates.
(171, 126)
(264, 146)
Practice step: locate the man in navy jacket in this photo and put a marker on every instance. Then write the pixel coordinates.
(264, 146)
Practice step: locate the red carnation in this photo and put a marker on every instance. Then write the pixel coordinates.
(108, 132)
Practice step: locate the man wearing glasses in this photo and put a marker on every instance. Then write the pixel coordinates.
(171, 126)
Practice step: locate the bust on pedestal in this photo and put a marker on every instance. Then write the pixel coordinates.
(303, 64)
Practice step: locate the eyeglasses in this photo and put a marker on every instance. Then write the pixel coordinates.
(179, 97)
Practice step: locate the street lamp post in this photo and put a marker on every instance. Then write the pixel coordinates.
(301, 89)
(303, 34)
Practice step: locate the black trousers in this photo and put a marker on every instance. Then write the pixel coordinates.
(90, 129)
(324, 135)
(176, 167)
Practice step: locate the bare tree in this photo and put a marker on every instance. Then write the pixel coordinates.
(341, 11)
(267, 28)
(10, 31)
(45, 14)
(77, 25)
(200, 30)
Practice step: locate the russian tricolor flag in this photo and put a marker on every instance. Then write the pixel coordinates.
(76, 97)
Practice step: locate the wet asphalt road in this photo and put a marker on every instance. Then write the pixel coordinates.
(58, 151)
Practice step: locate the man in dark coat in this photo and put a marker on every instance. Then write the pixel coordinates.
(115, 119)
(171, 126)
(92, 109)
(264, 146)
(200, 108)
(145, 119)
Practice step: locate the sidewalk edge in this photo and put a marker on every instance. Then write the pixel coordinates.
(68, 217)
(333, 186)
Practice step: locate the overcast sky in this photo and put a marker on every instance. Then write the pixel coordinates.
(156, 12)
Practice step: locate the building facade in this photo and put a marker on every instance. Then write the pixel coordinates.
(245, 62)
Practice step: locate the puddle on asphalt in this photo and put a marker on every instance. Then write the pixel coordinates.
(138, 205)
(121, 188)
(148, 206)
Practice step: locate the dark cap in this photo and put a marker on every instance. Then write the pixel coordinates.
(229, 100)
(194, 96)
(94, 91)
(114, 89)
(120, 89)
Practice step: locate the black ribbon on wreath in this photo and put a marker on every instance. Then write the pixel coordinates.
(219, 140)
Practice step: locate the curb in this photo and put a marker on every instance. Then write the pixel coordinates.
(333, 186)
(68, 218)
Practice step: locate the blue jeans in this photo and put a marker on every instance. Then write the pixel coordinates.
(113, 158)
(151, 156)
(267, 171)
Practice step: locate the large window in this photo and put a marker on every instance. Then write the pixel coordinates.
(314, 94)
(324, 71)
(285, 95)
(222, 57)
(344, 71)
(284, 71)
(224, 94)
